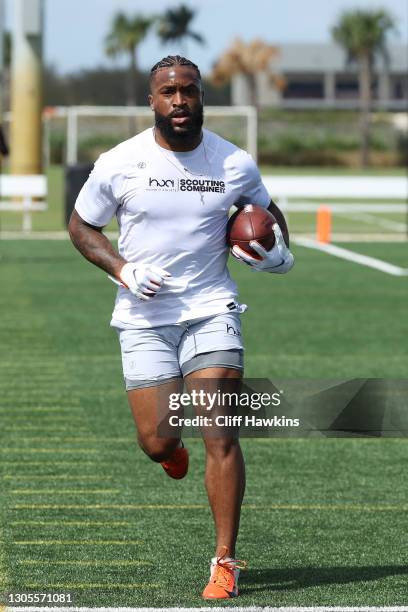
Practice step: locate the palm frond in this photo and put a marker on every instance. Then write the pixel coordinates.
(126, 33)
(175, 25)
(247, 58)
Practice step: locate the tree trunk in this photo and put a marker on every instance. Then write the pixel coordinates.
(131, 79)
(365, 108)
(183, 46)
(132, 94)
(252, 88)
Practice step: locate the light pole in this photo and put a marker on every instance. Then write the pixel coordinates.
(3, 145)
(26, 88)
(1, 56)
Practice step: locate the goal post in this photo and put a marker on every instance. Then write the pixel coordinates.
(236, 123)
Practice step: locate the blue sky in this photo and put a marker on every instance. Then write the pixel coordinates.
(75, 29)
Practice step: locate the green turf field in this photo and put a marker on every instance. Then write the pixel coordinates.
(83, 510)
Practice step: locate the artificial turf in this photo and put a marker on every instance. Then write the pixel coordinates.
(83, 510)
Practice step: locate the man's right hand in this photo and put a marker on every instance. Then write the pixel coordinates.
(143, 281)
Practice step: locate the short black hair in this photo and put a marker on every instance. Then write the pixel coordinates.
(174, 60)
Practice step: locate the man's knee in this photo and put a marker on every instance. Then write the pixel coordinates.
(221, 447)
(157, 449)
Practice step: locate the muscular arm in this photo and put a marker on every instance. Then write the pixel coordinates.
(94, 245)
(277, 213)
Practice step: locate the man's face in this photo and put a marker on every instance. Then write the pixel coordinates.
(177, 101)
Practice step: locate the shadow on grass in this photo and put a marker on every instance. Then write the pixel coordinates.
(302, 577)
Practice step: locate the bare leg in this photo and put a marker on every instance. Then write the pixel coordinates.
(225, 469)
(144, 404)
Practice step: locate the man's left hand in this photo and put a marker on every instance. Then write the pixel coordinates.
(278, 260)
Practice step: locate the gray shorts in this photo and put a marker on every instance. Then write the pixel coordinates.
(152, 356)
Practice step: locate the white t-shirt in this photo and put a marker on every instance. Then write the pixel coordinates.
(172, 210)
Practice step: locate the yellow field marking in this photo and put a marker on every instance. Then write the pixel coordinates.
(321, 439)
(55, 451)
(42, 428)
(353, 507)
(62, 491)
(77, 542)
(19, 463)
(15, 412)
(52, 477)
(89, 439)
(118, 440)
(109, 439)
(92, 585)
(77, 523)
(296, 507)
(82, 562)
(24, 417)
(109, 506)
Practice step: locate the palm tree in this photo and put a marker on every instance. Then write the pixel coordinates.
(125, 36)
(175, 25)
(363, 33)
(248, 60)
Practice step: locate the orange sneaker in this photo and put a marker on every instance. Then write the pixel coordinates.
(176, 466)
(224, 576)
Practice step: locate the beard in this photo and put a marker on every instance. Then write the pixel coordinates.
(190, 131)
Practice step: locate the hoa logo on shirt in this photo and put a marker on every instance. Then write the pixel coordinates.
(201, 185)
(161, 183)
(231, 330)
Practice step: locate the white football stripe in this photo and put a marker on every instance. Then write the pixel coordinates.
(342, 253)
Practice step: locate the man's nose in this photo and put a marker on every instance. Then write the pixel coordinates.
(178, 99)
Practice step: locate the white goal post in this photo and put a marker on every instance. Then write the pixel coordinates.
(236, 123)
(75, 113)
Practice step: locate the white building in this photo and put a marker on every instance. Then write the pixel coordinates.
(318, 76)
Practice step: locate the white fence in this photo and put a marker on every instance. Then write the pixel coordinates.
(283, 188)
(386, 211)
(24, 193)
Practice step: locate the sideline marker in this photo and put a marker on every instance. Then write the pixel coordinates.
(323, 225)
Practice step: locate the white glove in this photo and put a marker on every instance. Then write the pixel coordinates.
(278, 260)
(141, 280)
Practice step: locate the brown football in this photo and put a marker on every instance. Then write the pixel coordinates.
(249, 223)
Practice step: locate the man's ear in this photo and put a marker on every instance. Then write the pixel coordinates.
(150, 100)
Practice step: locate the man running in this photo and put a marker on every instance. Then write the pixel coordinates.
(176, 309)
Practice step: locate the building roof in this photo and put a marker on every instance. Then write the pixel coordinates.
(329, 57)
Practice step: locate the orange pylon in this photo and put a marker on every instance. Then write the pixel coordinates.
(323, 225)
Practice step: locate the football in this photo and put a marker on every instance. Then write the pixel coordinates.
(249, 223)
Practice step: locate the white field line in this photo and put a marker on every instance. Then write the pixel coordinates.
(218, 609)
(304, 206)
(367, 218)
(351, 237)
(342, 253)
